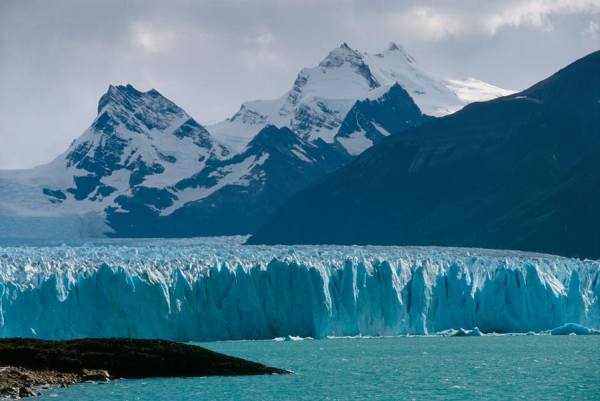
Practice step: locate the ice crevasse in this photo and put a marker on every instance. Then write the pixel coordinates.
(184, 290)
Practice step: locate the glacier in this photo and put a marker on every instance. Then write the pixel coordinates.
(218, 289)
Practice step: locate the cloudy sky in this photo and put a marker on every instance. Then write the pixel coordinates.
(58, 57)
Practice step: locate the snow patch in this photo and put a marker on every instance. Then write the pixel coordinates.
(238, 174)
(355, 143)
(299, 153)
(381, 130)
(473, 90)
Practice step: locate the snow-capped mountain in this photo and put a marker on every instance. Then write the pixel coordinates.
(322, 96)
(138, 140)
(230, 196)
(372, 119)
(146, 168)
(518, 172)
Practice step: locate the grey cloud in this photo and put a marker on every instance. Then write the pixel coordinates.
(57, 58)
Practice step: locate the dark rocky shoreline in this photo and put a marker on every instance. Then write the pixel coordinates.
(29, 363)
(16, 382)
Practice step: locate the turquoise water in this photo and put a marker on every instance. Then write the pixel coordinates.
(413, 368)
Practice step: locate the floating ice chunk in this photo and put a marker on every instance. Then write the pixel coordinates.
(446, 333)
(296, 338)
(468, 333)
(573, 328)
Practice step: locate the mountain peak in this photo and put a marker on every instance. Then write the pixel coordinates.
(322, 95)
(392, 46)
(395, 49)
(127, 89)
(135, 110)
(126, 95)
(578, 80)
(341, 55)
(117, 94)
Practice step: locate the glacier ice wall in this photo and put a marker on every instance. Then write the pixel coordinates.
(219, 289)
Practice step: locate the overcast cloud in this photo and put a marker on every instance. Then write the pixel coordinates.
(58, 57)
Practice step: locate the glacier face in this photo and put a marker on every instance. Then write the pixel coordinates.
(215, 289)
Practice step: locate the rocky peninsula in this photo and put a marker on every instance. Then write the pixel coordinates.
(28, 364)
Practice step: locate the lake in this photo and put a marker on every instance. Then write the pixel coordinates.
(397, 368)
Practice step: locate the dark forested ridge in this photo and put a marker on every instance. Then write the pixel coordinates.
(519, 172)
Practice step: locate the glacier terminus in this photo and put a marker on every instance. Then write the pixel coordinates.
(217, 289)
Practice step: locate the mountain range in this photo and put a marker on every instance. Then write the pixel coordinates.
(517, 172)
(146, 168)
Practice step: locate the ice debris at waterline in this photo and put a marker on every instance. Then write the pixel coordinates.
(219, 289)
(465, 333)
(573, 328)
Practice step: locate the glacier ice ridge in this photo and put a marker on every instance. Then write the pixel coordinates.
(219, 289)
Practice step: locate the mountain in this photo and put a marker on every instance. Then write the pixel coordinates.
(372, 119)
(563, 218)
(139, 141)
(229, 196)
(516, 172)
(146, 168)
(322, 96)
(144, 136)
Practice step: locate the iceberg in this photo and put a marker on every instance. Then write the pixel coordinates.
(218, 289)
(573, 328)
(467, 333)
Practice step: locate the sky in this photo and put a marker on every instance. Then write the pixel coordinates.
(58, 57)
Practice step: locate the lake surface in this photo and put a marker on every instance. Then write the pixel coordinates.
(401, 368)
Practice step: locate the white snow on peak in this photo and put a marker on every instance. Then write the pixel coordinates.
(301, 154)
(236, 132)
(237, 174)
(381, 130)
(314, 107)
(473, 90)
(355, 143)
(322, 95)
(147, 133)
(432, 96)
(132, 128)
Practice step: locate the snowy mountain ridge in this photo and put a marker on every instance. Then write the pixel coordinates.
(321, 96)
(470, 179)
(137, 137)
(146, 168)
